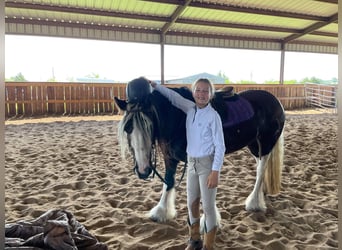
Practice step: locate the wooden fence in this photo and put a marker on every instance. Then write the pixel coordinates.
(45, 98)
(27, 99)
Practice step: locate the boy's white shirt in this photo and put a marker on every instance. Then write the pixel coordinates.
(205, 122)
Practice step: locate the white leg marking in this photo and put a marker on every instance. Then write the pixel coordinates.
(256, 200)
(165, 209)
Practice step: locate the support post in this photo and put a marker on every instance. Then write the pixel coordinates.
(339, 113)
(282, 63)
(162, 59)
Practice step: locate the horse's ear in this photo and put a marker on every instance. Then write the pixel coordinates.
(122, 104)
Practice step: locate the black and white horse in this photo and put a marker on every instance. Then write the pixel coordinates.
(252, 118)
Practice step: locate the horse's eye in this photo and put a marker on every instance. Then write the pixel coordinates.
(129, 127)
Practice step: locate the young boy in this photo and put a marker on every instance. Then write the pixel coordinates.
(205, 150)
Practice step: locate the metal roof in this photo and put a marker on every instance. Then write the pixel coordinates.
(286, 25)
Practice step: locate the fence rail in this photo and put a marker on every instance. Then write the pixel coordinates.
(321, 96)
(46, 98)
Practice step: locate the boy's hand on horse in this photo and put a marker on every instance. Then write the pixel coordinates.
(152, 83)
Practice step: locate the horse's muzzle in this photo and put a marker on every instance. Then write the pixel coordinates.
(145, 175)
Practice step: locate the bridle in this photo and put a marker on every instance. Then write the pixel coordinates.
(135, 108)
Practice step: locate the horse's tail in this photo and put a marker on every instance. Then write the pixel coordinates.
(274, 166)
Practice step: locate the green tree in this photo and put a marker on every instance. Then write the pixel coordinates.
(271, 82)
(52, 79)
(93, 75)
(312, 80)
(334, 80)
(246, 82)
(277, 82)
(18, 78)
(290, 82)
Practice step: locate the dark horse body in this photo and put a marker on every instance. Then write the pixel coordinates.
(252, 118)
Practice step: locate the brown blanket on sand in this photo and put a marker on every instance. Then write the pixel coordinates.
(56, 229)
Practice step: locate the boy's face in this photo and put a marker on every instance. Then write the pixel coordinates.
(201, 94)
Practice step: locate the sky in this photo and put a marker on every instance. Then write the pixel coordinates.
(41, 58)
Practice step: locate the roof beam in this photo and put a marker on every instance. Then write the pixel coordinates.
(249, 27)
(315, 43)
(328, 1)
(245, 10)
(162, 24)
(74, 10)
(128, 29)
(225, 37)
(312, 28)
(169, 21)
(66, 24)
(236, 26)
(150, 31)
(175, 16)
(322, 33)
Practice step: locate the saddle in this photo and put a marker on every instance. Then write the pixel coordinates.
(225, 92)
(232, 108)
(221, 96)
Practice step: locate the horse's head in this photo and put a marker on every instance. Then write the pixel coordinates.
(137, 129)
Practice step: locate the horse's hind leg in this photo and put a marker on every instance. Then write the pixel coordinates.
(165, 210)
(256, 200)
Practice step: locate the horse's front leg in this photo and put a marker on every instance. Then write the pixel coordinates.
(165, 209)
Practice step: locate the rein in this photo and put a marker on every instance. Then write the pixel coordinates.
(154, 167)
(154, 164)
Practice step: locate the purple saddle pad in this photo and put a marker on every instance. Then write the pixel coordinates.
(237, 111)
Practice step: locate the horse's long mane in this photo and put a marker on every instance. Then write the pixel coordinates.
(141, 122)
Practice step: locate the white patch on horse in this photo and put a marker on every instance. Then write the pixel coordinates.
(141, 151)
(165, 210)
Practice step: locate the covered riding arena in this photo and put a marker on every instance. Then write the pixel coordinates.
(61, 149)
